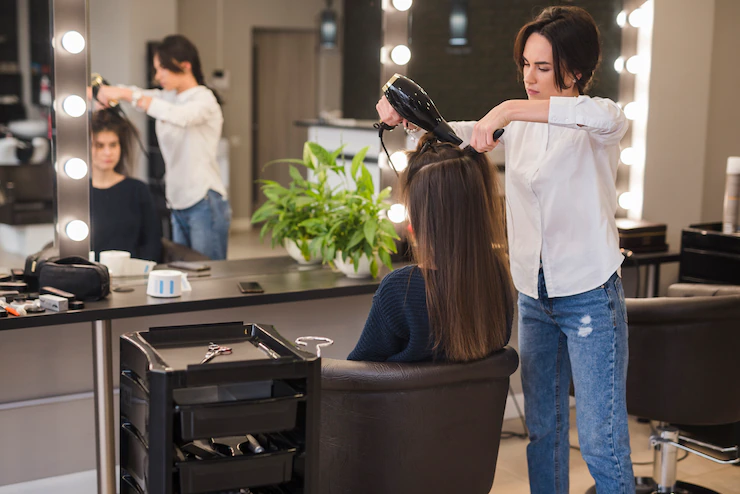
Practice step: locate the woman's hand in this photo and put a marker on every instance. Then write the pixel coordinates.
(386, 112)
(498, 118)
(106, 94)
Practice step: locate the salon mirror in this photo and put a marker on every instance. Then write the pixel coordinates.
(27, 193)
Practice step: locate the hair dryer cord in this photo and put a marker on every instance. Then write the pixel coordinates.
(381, 126)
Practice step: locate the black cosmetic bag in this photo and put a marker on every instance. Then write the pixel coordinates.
(86, 280)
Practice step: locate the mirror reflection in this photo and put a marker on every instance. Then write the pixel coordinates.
(281, 76)
(26, 172)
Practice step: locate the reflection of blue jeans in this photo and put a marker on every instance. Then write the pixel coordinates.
(585, 336)
(204, 226)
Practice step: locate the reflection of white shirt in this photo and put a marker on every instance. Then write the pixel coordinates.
(561, 195)
(188, 130)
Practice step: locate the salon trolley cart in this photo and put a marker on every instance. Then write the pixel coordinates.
(184, 424)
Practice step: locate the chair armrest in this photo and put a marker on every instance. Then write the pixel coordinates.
(694, 289)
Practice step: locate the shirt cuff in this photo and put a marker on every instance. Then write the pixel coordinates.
(562, 111)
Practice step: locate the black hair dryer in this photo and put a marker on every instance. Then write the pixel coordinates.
(97, 80)
(415, 105)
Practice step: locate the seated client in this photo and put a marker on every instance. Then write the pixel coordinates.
(457, 302)
(121, 209)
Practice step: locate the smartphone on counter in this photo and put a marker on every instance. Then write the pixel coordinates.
(250, 287)
(189, 266)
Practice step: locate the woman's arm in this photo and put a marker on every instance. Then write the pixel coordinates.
(122, 93)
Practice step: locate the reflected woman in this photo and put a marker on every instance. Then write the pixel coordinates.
(121, 208)
(188, 126)
(456, 303)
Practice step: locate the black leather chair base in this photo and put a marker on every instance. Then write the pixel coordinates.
(646, 485)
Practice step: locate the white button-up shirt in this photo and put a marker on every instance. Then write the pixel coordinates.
(188, 130)
(561, 195)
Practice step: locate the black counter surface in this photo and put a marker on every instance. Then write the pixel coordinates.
(282, 279)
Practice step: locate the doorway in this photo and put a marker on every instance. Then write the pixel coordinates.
(284, 91)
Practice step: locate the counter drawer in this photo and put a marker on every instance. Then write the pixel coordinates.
(134, 455)
(134, 403)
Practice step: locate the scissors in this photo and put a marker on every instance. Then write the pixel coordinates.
(215, 350)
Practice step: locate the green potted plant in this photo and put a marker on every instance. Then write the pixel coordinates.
(358, 233)
(295, 215)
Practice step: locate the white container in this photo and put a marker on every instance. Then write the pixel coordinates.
(295, 252)
(167, 283)
(348, 268)
(731, 214)
(115, 260)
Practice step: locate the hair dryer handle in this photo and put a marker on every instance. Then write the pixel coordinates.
(498, 133)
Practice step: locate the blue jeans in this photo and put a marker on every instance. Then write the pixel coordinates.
(583, 336)
(204, 226)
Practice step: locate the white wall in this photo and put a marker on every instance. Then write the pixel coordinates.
(678, 116)
(723, 130)
(199, 20)
(119, 32)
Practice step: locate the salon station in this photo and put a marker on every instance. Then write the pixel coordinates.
(217, 217)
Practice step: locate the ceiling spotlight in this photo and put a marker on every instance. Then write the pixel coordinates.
(73, 42)
(77, 230)
(74, 106)
(401, 55)
(75, 168)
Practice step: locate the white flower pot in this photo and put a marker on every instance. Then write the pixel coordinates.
(348, 268)
(295, 252)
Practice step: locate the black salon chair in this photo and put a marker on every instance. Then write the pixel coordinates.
(683, 370)
(408, 428)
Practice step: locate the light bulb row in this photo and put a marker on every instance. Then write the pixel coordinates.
(75, 106)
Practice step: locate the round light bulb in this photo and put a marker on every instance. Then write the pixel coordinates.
(638, 17)
(622, 19)
(634, 64)
(73, 42)
(77, 230)
(399, 161)
(397, 213)
(632, 110)
(402, 5)
(75, 168)
(619, 64)
(401, 55)
(626, 200)
(628, 156)
(74, 106)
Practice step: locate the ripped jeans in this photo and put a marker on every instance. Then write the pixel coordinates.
(583, 336)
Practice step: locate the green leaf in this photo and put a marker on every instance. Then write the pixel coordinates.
(284, 160)
(307, 161)
(356, 260)
(385, 258)
(384, 194)
(370, 228)
(336, 153)
(357, 161)
(367, 181)
(322, 155)
(303, 201)
(356, 239)
(374, 267)
(387, 227)
(295, 174)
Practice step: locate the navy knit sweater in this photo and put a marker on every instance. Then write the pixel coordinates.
(397, 328)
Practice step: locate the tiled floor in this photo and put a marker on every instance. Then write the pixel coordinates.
(511, 470)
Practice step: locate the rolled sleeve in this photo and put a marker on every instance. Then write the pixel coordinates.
(601, 117)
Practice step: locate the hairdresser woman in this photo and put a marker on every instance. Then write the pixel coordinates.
(562, 150)
(189, 123)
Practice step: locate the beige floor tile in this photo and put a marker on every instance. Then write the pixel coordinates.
(726, 480)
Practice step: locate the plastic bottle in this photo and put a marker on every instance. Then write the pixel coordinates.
(731, 216)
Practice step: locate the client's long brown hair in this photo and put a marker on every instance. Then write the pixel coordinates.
(457, 216)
